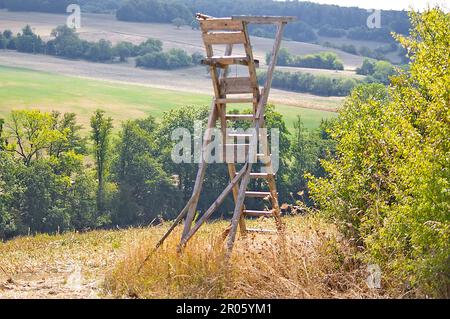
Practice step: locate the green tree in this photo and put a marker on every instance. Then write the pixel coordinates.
(31, 133)
(307, 149)
(183, 117)
(11, 190)
(101, 128)
(29, 42)
(149, 46)
(367, 68)
(123, 50)
(178, 22)
(44, 185)
(383, 71)
(197, 58)
(2, 138)
(141, 179)
(8, 34)
(66, 125)
(67, 43)
(3, 42)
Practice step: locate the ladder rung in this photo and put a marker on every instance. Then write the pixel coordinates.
(235, 100)
(224, 38)
(259, 175)
(258, 213)
(237, 145)
(257, 194)
(265, 231)
(228, 60)
(240, 135)
(236, 117)
(239, 85)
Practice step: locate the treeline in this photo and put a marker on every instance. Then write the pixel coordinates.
(55, 178)
(375, 72)
(66, 43)
(377, 53)
(103, 6)
(173, 59)
(52, 6)
(59, 6)
(330, 20)
(308, 83)
(154, 11)
(322, 60)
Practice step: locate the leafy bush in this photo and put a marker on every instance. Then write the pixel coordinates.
(149, 46)
(197, 57)
(308, 83)
(388, 186)
(175, 58)
(378, 71)
(100, 51)
(322, 60)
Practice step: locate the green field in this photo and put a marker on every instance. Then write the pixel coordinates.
(26, 89)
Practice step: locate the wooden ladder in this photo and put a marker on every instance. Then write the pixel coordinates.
(230, 32)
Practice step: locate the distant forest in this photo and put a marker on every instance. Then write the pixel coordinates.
(313, 19)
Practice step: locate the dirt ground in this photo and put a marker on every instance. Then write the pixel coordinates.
(67, 283)
(69, 266)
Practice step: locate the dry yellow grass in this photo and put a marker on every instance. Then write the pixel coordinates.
(314, 261)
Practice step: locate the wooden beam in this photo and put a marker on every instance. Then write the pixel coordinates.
(214, 115)
(201, 171)
(216, 24)
(214, 206)
(238, 209)
(240, 85)
(270, 71)
(235, 100)
(263, 19)
(176, 222)
(224, 38)
(223, 61)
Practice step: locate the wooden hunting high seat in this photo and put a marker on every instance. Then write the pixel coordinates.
(228, 33)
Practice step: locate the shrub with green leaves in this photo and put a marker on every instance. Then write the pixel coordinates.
(322, 60)
(389, 186)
